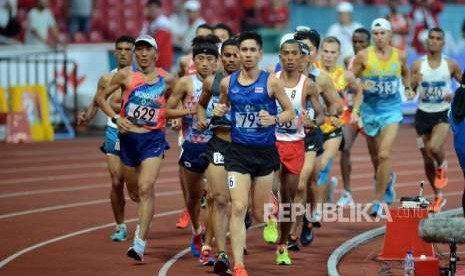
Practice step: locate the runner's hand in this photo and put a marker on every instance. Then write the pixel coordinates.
(354, 117)
(448, 97)
(202, 125)
(220, 110)
(409, 94)
(307, 121)
(124, 125)
(176, 124)
(82, 118)
(266, 119)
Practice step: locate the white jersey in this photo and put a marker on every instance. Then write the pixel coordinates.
(435, 84)
(109, 122)
(293, 130)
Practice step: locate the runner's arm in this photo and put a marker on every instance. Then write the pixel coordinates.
(277, 91)
(172, 110)
(118, 81)
(406, 80)
(356, 87)
(204, 99)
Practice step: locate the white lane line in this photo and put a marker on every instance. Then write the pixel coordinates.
(77, 188)
(165, 168)
(76, 204)
(167, 265)
(36, 168)
(69, 158)
(51, 150)
(73, 234)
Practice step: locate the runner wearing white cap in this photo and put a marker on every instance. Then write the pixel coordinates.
(381, 68)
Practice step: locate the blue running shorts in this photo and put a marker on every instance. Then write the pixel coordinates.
(193, 156)
(374, 123)
(136, 147)
(111, 144)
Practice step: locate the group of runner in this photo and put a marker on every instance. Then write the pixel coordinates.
(252, 138)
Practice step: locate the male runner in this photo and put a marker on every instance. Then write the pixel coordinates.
(252, 158)
(192, 164)
(381, 68)
(218, 194)
(431, 78)
(290, 136)
(124, 46)
(141, 123)
(360, 40)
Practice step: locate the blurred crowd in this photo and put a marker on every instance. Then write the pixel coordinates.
(54, 22)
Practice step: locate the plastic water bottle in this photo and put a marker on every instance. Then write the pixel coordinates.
(409, 264)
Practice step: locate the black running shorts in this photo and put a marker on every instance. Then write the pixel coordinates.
(253, 160)
(425, 121)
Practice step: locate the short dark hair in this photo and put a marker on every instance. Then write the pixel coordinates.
(125, 38)
(332, 39)
(251, 35)
(206, 44)
(363, 31)
(154, 2)
(292, 41)
(311, 35)
(437, 30)
(205, 26)
(224, 27)
(229, 42)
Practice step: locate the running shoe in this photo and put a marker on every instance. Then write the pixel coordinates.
(222, 265)
(306, 236)
(440, 178)
(270, 231)
(239, 270)
(196, 244)
(136, 251)
(121, 234)
(206, 259)
(282, 256)
(292, 244)
(376, 209)
(183, 221)
(345, 200)
(390, 194)
(331, 188)
(438, 203)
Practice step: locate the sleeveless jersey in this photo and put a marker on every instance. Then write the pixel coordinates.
(293, 130)
(109, 121)
(144, 104)
(246, 102)
(189, 122)
(435, 84)
(381, 80)
(216, 122)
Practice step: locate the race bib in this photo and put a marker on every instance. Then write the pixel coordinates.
(433, 92)
(383, 87)
(144, 114)
(218, 158)
(247, 120)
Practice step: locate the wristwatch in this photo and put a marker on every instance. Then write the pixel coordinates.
(114, 118)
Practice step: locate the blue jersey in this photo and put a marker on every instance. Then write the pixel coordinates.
(246, 103)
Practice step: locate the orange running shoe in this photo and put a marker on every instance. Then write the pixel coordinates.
(440, 180)
(239, 270)
(183, 221)
(438, 203)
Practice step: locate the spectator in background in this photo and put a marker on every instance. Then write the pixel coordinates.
(79, 15)
(249, 20)
(179, 19)
(159, 26)
(344, 28)
(192, 8)
(400, 25)
(39, 21)
(222, 31)
(9, 25)
(424, 15)
(275, 15)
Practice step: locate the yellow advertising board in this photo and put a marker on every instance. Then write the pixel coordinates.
(33, 100)
(3, 101)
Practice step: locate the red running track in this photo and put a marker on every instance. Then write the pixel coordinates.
(56, 219)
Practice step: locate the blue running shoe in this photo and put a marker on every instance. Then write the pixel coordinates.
(196, 244)
(136, 251)
(390, 194)
(120, 235)
(376, 209)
